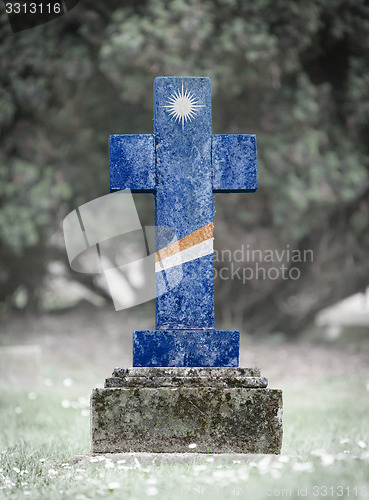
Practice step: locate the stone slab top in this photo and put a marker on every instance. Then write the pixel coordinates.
(150, 377)
(186, 372)
(151, 382)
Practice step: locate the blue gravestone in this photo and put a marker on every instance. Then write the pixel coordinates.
(183, 164)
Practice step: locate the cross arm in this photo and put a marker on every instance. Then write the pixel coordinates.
(234, 163)
(132, 162)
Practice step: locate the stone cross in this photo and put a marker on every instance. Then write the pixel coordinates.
(183, 164)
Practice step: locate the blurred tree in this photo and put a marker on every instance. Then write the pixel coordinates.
(296, 74)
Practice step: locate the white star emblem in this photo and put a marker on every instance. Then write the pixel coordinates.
(183, 106)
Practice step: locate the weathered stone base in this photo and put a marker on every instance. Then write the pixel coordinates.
(221, 410)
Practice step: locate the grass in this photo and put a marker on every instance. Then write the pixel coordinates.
(325, 451)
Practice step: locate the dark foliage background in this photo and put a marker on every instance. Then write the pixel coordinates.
(294, 73)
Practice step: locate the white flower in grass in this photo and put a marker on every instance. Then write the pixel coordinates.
(327, 460)
(65, 403)
(124, 467)
(15, 469)
(303, 467)
(152, 480)
(361, 444)
(277, 465)
(264, 464)
(243, 474)
(152, 491)
(109, 465)
(114, 485)
(199, 467)
(8, 483)
(318, 453)
(225, 475)
(52, 472)
(218, 473)
(85, 413)
(42, 460)
(67, 382)
(26, 492)
(192, 446)
(275, 473)
(341, 456)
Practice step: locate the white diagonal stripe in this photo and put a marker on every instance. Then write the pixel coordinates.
(192, 253)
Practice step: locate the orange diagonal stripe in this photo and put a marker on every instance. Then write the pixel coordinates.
(202, 234)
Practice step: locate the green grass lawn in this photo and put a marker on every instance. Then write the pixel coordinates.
(325, 451)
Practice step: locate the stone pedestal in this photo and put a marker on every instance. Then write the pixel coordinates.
(179, 348)
(220, 410)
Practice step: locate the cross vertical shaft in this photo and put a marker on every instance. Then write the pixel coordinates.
(184, 201)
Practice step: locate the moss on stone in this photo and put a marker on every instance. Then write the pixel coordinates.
(218, 420)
